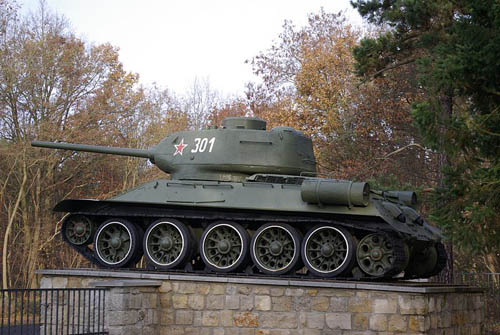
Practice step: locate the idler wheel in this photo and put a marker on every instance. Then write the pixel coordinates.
(426, 261)
(224, 246)
(380, 255)
(328, 251)
(78, 230)
(117, 244)
(275, 248)
(168, 243)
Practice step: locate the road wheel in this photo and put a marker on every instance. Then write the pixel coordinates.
(168, 244)
(328, 251)
(275, 248)
(78, 229)
(381, 255)
(117, 244)
(224, 246)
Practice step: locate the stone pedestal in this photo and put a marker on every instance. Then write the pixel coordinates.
(156, 303)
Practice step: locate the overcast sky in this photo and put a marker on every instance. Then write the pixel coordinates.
(172, 42)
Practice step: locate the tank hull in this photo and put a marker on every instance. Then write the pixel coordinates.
(252, 205)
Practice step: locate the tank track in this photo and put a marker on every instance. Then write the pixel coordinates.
(442, 259)
(201, 216)
(399, 256)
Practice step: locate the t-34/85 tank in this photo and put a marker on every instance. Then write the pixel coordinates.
(243, 199)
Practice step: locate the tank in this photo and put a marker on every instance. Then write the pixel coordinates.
(243, 199)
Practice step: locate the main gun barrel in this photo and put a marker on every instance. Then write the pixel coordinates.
(96, 148)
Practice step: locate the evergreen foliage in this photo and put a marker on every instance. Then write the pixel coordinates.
(455, 46)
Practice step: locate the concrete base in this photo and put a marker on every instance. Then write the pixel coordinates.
(155, 303)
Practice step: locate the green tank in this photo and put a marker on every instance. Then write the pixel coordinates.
(244, 199)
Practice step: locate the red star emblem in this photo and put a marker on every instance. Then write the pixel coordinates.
(179, 148)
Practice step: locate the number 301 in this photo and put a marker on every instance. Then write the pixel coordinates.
(200, 144)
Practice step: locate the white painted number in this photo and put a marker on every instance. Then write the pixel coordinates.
(200, 144)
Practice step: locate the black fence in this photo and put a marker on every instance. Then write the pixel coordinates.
(52, 311)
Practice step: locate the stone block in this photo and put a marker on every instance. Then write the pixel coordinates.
(417, 323)
(312, 292)
(262, 303)
(196, 302)
(231, 289)
(215, 302)
(74, 282)
(397, 323)
(217, 289)
(277, 291)
(167, 318)
(46, 282)
(185, 287)
(294, 292)
(59, 282)
(150, 300)
(171, 330)
(302, 304)
(311, 332)
(122, 318)
(210, 319)
(359, 305)
(338, 304)
(385, 306)
(273, 332)
(180, 301)
(246, 331)
(203, 288)
(432, 304)
(184, 317)
(165, 287)
(197, 318)
(338, 320)
(412, 304)
(125, 330)
(282, 304)
(315, 320)
(232, 302)
(192, 331)
(320, 304)
(117, 302)
(135, 301)
(226, 318)
(378, 322)
(218, 331)
(246, 302)
(152, 317)
(261, 290)
(280, 320)
(246, 319)
(244, 289)
(166, 300)
(360, 321)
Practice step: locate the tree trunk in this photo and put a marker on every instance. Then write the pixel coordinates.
(12, 216)
(446, 102)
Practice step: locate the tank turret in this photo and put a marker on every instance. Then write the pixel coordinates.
(251, 200)
(240, 148)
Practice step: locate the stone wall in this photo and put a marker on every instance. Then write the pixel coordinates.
(175, 304)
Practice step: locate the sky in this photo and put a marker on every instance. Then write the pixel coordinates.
(172, 42)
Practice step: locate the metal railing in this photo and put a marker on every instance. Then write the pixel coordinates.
(76, 311)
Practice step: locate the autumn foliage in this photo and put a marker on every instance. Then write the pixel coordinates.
(55, 86)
